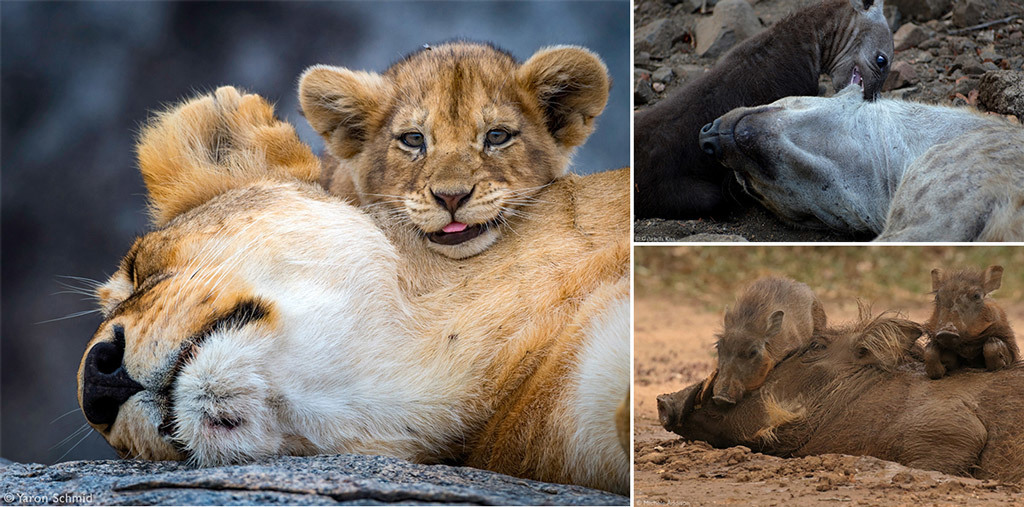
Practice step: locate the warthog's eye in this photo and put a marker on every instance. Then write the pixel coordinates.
(753, 353)
(497, 137)
(412, 139)
(977, 296)
(862, 352)
(882, 61)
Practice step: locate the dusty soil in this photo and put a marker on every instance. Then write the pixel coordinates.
(946, 69)
(673, 348)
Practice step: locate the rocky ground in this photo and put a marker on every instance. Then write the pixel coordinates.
(950, 52)
(316, 480)
(673, 349)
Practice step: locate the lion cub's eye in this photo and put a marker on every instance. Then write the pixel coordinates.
(412, 139)
(497, 137)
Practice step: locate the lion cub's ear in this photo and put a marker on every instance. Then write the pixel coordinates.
(572, 86)
(339, 104)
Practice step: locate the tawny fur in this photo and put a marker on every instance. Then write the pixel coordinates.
(370, 343)
(453, 95)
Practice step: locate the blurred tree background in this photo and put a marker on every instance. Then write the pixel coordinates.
(79, 78)
(890, 276)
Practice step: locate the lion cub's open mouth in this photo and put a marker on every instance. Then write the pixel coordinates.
(456, 232)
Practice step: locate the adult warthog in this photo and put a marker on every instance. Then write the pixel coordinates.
(902, 170)
(856, 389)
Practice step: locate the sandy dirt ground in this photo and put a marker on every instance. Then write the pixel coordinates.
(673, 349)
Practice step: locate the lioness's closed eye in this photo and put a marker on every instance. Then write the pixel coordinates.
(455, 139)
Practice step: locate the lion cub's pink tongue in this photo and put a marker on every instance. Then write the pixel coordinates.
(454, 227)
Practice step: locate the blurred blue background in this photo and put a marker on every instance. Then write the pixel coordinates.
(80, 78)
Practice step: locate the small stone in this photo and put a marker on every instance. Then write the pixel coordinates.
(932, 43)
(642, 58)
(921, 9)
(663, 75)
(908, 36)
(1018, 35)
(689, 72)
(968, 12)
(1002, 91)
(901, 75)
(658, 87)
(965, 85)
(695, 5)
(657, 36)
(732, 22)
(643, 93)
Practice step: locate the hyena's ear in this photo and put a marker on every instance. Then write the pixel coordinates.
(572, 86)
(213, 143)
(340, 104)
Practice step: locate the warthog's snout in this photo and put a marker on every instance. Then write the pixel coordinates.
(709, 139)
(722, 400)
(947, 338)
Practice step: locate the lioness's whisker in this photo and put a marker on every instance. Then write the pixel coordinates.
(70, 316)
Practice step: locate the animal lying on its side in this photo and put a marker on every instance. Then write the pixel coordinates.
(847, 39)
(966, 327)
(771, 318)
(854, 390)
(905, 171)
(263, 316)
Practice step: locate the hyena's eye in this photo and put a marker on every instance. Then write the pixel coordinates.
(498, 137)
(412, 139)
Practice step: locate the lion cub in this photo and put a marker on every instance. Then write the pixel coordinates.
(773, 317)
(966, 328)
(455, 141)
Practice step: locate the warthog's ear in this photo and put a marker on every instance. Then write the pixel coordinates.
(339, 104)
(571, 84)
(992, 279)
(213, 143)
(865, 5)
(774, 323)
(886, 341)
(936, 278)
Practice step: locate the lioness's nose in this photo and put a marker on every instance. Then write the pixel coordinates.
(450, 201)
(709, 138)
(105, 383)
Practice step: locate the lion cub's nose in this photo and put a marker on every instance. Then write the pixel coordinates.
(105, 383)
(450, 201)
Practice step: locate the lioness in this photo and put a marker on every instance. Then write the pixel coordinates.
(265, 316)
(457, 139)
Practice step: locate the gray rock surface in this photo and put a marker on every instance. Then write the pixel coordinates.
(1002, 91)
(921, 10)
(657, 36)
(908, 36)
(317, 480)
(733, 21)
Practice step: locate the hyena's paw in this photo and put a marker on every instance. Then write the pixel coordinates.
(214, 142)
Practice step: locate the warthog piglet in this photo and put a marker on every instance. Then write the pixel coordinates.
(966, 327)
(773, 317)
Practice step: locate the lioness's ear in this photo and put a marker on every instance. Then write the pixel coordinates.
(572, 86)
(213, 143)
(339, 103)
